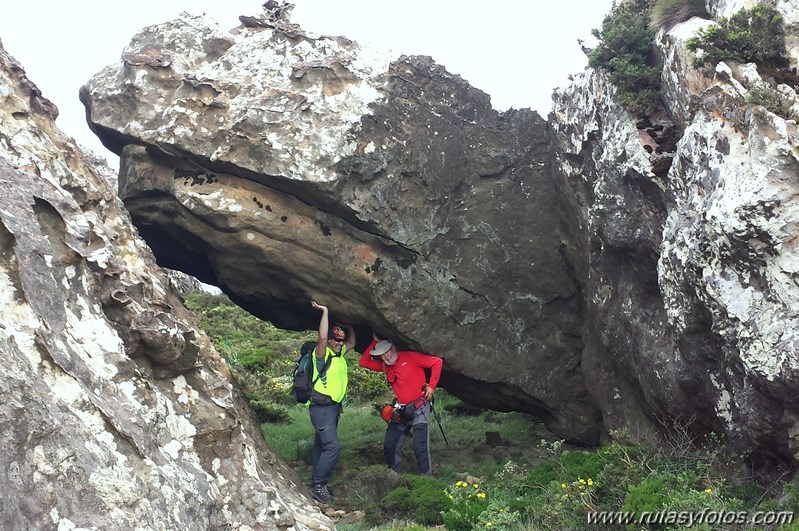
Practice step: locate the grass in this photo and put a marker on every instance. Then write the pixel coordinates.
(361, 434)
(495, 471)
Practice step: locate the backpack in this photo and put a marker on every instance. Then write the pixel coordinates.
(302, 375)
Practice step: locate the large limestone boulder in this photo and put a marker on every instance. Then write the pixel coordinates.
(115, 410)
(282, 166)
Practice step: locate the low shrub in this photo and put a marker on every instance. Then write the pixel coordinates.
(269, 411)
(421, 498)
(498, 517)
(755, 35)
(372, 483)
(770, 98)
(626, 53)
(650, 495)
(364, 385)
(624, 467)
(468, 502)
(791, 495)
(263, 387)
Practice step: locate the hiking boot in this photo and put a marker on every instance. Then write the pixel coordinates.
(329, 488)
(320, 493)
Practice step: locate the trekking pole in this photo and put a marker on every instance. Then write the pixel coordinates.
(438, 422)
(435, 415)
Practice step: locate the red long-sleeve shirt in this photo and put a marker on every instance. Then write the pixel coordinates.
(407, 375)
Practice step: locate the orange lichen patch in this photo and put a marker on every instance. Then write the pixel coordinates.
(364, 253)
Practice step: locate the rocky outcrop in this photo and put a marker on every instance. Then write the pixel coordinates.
(691, 276)
(115, 410)
(595, 271)
(390, 190)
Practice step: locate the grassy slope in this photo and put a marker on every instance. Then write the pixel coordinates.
(528, 481)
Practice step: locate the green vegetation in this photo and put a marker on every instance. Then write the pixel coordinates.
(261, 356)
(625, 52)
(420, 497)
(754, 35)
(668, 13)
(770, 98)
(518, 479)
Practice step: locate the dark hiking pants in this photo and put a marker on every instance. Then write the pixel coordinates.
(325, 444)
(397, 433)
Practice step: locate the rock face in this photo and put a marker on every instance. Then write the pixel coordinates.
(115, 410)
(566, 269)
(691, 276)
(392, 191)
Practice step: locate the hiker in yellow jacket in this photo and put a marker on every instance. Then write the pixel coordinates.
(330, 377)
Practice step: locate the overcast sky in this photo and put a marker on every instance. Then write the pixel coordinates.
(516, 51)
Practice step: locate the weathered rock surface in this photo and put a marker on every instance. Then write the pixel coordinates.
(390, 190)
(566, 269)
(115, 410)
(691, 277)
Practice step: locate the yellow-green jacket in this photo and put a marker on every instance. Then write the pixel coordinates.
(333, 385)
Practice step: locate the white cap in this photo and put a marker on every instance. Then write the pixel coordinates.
(381, 348)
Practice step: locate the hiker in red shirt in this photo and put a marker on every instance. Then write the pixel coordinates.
(405, 372)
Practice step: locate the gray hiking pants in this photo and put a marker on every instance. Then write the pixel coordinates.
(325, 443)
(397, 433)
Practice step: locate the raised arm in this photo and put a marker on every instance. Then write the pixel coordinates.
(350, 336)
(367, 361)
(321, 342)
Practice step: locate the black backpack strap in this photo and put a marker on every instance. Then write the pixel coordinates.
(328, 360)
(321, 372)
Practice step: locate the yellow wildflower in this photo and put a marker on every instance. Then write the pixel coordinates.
(563, 485)
(590, 482)
(582, 482)
(708, 491)
(481, 495)
(476, 485)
